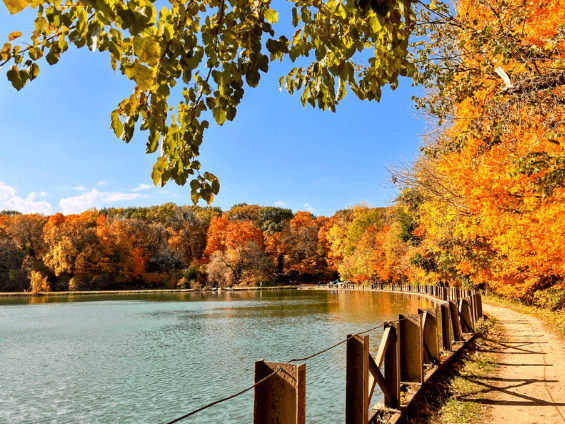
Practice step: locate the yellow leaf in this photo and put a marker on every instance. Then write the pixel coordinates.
(141, 74)
(14, 35)
(15, 6)
(147, 49)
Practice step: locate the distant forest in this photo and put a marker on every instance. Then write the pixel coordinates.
(172, 246)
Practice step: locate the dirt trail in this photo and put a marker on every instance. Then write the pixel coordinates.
(530, 385)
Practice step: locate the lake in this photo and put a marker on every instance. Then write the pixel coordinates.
(151, 358)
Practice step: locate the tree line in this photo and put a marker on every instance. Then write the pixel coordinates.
(190, 246)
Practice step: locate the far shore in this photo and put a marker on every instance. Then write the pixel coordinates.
(147, 291)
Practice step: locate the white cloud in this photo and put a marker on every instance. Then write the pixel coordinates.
(118, 197)
(94, 198)
(143, 187)
(9, 200)
(6, 192)
(101, 183)
(78, 204)
(309, 208)
(43, 194)
(79, 188)
(280, 203)
(169, 193)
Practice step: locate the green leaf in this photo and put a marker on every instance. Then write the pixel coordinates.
(92, 36)
(116, 124)
(195, 185)
(14, 77)
(52, 57)
(33, 71)
(158, 170)
(127, 17)
(215, 183)
(295, 17)
(271, 15)
(219, 115)
(152, 142)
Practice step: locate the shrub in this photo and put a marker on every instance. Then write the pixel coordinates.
(551, 298)
(74, 284)
(38, 282)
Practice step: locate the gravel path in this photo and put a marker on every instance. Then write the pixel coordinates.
(530, 384)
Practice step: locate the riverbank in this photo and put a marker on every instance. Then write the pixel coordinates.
(149, 291)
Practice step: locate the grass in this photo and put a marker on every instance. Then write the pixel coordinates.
(451, 397)
(554, 319)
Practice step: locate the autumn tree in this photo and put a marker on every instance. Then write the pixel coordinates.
(13, 276)
(236, 252)
(188, 232)
(73, 247)
(207, 52)
(246, 264)
(224, 234)
(26, 231)
(491, 176)
(303, 258)
(359, 244)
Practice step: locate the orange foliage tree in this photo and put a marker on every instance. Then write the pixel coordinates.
(492, 183)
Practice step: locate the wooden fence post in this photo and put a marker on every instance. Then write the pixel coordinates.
(430, 337)
(465, 315)
(411, 348)
(356, 380)
(390, 382)
(281, 398)
(392, 366)
(445, 327)
(455, 322)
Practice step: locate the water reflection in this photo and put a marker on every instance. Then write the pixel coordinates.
(151, 358)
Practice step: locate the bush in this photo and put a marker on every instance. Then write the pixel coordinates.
(182, 283)
(195, 285)
(551, 298)
(38, 282)
(74, 284)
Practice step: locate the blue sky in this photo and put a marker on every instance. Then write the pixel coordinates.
(58, 153)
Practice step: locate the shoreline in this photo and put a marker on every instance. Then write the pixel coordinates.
(144, 291)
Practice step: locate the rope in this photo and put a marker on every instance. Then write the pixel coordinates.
(227, 398)
(280, 369)
(335, 345)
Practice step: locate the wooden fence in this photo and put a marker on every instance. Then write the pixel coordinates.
(411, 350)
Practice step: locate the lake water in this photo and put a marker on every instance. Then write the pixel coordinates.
(152, 358)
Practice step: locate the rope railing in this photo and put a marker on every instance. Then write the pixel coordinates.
(270, 375)
(471, 307)
(226, 398)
